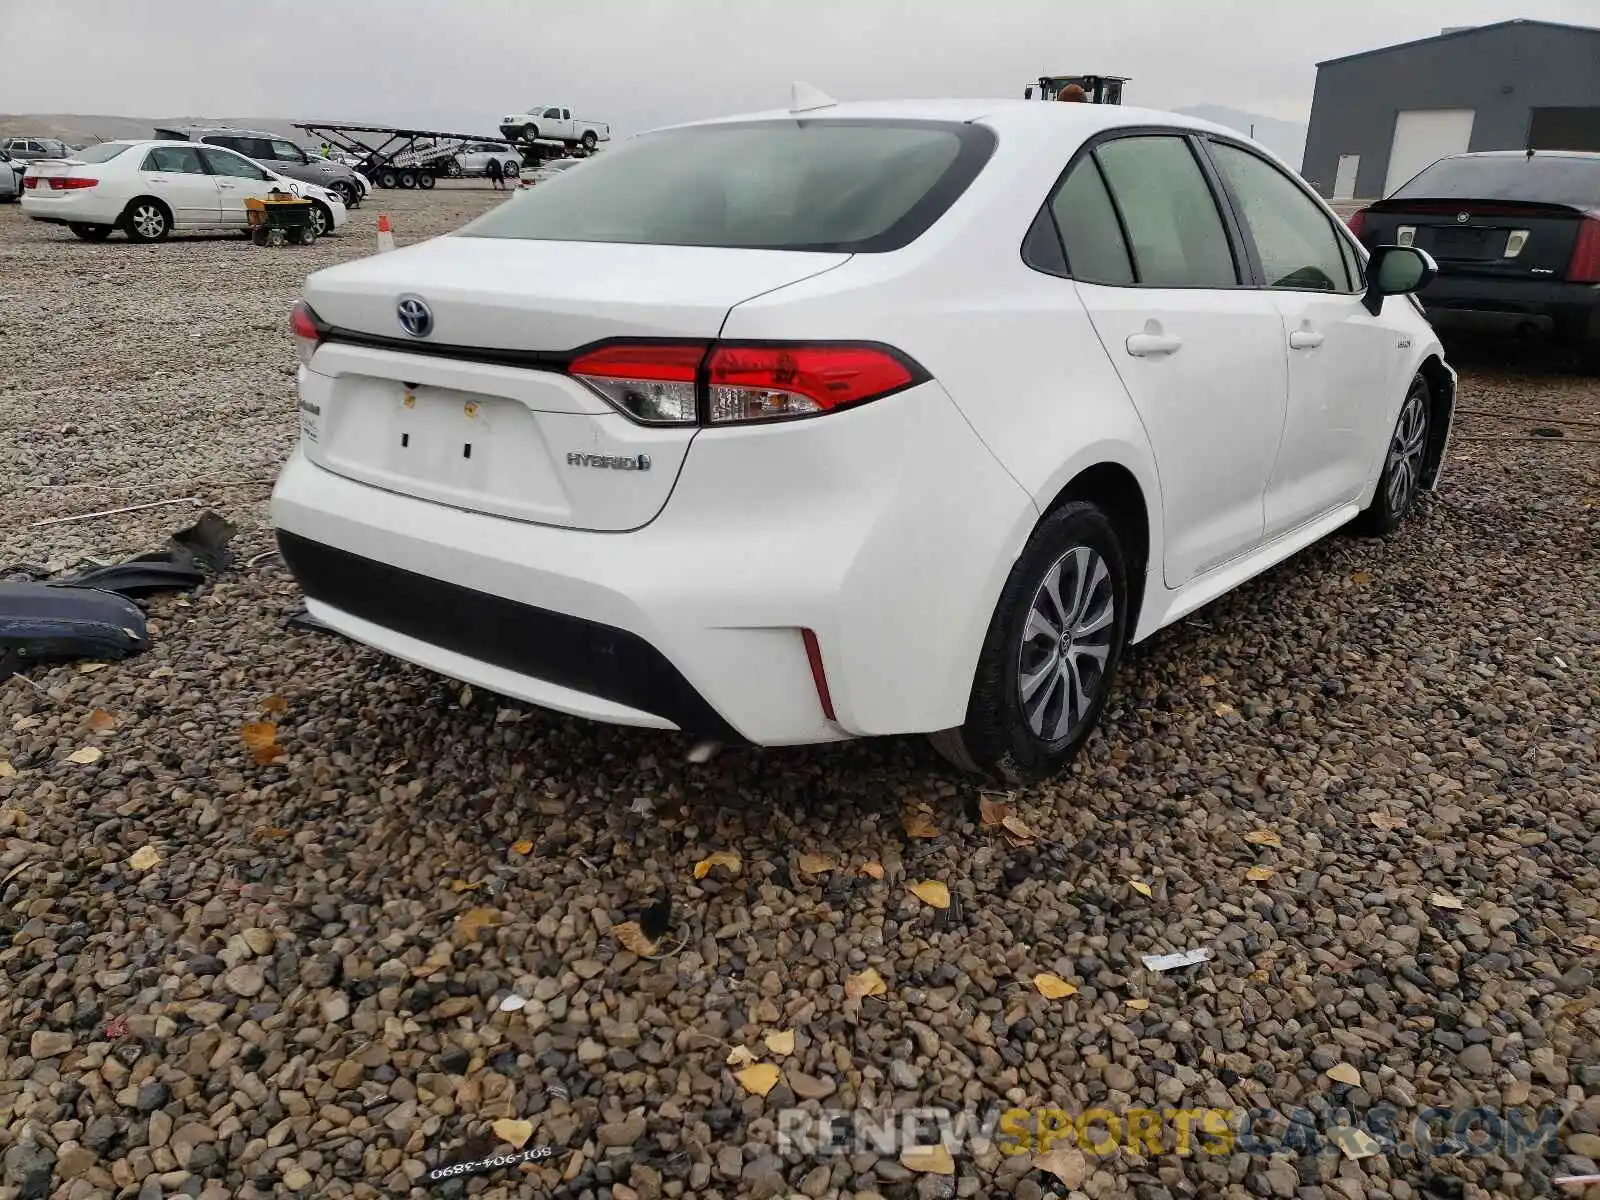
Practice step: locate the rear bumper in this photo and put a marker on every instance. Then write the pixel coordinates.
(1568, 312)
(63, 208)
(887, 531)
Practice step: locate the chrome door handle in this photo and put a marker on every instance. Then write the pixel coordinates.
(1150, 345)
(1304, 339)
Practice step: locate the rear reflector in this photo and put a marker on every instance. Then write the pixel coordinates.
(71, 183)
(728, 383)
(1585, 264)
(818, 675)
(652, 383)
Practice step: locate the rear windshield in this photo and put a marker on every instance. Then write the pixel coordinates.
(844, 186)
(1542, 179)
(104, 152)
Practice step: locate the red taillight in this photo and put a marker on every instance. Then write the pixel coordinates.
(69, 183)
(654, 383)
(662, 383)
(758, 383)
(307, 330)
(30, 181)
(1358, 223)
(1585, 264)
(818, 676)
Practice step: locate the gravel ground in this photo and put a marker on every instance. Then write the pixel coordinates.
(301, 996)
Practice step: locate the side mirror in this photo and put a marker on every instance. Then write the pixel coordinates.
(1397, 271)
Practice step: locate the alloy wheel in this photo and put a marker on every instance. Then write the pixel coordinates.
(1066, 644)
(1405, 451)
(149, 221)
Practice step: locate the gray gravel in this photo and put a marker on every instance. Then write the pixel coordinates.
(302, 995)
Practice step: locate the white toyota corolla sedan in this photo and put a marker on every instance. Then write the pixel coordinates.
(147, 189)
(869, 419)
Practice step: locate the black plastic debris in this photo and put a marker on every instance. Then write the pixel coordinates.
(304, 622)
(44, 623)
(191, 555)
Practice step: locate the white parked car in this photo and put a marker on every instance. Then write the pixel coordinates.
(149, 188)
(553, 123)
(473, 158)
(903, 418)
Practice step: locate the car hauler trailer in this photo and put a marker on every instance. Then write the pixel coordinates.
(394, 157)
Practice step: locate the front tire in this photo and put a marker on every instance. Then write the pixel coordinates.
(530, 133)
(1051, 651)
(321, 219)
(147, 220)
(91, 233)
(349, 194)
(1402, 465)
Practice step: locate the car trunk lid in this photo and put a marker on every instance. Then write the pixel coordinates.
(478, 412)
(1484, 238)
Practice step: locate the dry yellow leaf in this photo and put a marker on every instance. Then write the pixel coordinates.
(1139, 1004)
(508, 1129)
(931, 892)
(90, 668)
(758, 1078)
(1444, 900)
(1362, 578)
(1208, 681)
(86, 755)
(522, 847)
(631, 938)
(472, 922)
(872, 870)
(816, 864)
(1141, 887)
(464, 885)
(726, 859)
(256, 734)
(780, 1042)
(917, 825)
(7, 771)
(928, 1160)
(1258, 976)
(274, 704)
(1386, 822)
(144, 858)
(1053, 987)
(1015, 826)
(1223, 710)
(1263, 837)
(867, 983)
(100, 721)
(272, 832)
(1258, 874)
(992, 812)
(1345, 1073)
(739, 1056)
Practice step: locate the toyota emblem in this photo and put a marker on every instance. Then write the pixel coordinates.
(1463, 218)
(416, 318)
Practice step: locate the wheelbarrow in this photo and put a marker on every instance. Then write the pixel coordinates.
(280, 218)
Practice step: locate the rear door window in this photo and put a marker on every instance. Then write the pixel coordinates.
(1177, 234)
(181, 160)
(836, 186)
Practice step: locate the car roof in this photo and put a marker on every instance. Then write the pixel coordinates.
(1039, 116)
(1589, 155)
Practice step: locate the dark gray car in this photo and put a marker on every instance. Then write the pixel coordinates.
(32, 149)
(281, 155)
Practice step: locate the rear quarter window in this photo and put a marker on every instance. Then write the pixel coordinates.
(838, 186)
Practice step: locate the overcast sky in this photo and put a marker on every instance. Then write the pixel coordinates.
(638, 63)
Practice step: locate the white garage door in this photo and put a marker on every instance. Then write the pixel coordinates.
(1422, 137)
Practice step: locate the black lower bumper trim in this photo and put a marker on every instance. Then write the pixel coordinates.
(597, 660)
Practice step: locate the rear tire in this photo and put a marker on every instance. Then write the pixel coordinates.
(530, 133)
(425, 180)
(511, 169)
(91, 233)
(590, 140)
(1402, 465)
(387, 179)
(453, 168)
(1050, 654)
(147, 220)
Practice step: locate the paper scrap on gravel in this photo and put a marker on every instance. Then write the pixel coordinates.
(1171, 962)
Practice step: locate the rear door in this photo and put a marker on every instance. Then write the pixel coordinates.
(1200, 352)
(1344, 363)
(177, 175)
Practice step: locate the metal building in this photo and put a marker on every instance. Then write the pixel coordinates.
(1379, 117)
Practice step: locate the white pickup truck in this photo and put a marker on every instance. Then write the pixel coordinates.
(552, 123)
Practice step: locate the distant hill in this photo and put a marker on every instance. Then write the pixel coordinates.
(73, 127)
(1286, 139)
